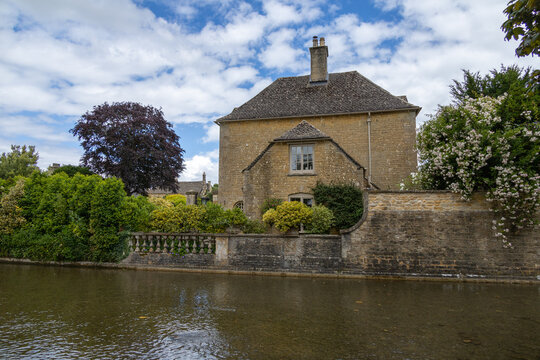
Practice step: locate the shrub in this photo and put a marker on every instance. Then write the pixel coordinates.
(290, 214)
(160, 202)
(345, 202)
(253, 227)
(322, 221)
(136, 213)
(270, 203)
(269, 217)
(176, 199)
(71, 170)
(181, 218)
(10, 213)
(105, 220)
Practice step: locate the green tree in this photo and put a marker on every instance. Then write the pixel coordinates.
(523, 24)
(71, 170)
(21, 161)
(10, 212)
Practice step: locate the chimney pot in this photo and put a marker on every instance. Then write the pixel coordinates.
(315, 42)
(322, 42)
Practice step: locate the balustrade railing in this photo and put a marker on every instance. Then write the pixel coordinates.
(172, 243)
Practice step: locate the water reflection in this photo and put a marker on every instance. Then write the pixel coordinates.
(49, 312)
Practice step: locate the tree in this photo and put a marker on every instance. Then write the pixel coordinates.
(21, 161)
(71, 170)
(523, 23)
(487, 143)
(132, 142)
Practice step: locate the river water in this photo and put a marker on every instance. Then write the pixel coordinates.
(65, 313)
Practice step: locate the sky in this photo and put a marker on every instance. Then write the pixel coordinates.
(198, 59)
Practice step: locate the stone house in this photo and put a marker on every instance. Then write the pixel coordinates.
(338, 127)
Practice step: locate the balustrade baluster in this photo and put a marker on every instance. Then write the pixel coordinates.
(158, 243)
(137, 249)
(166, 244)
(151, 243)
(145, 243)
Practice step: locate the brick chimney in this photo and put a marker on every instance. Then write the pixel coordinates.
(319, 55)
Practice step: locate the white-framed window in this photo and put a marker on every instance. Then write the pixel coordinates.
(302, 158)
(303, 198)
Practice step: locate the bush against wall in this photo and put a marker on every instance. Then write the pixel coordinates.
(322, 220)
(488, 140)
(270, 203)
(344, 201)
(288, 215)
(208, 218)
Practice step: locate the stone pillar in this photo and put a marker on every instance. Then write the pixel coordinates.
(191, 197)
(222, 250)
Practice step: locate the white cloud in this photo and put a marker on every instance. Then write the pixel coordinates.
(203, 162)
(280, 53)
(212, 133)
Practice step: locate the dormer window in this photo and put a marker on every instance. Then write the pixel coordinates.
(302, 158)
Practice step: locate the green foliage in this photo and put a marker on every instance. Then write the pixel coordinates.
(105, 220)
(270, 203)
(160, 202)
(254, 227)
(176, 199)
(269, 217)
(323, 219)
(523, 23)
(181, 218)
(73, 218)
(21, 161)
(10, 213)
(487, 144)
(344, 201)
(209, 218)
(71, 170)
(136, 213)
(288, 215)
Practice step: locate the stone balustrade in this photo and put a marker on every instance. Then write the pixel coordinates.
(172, 243)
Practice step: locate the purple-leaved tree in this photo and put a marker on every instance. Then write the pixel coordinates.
(132, 142)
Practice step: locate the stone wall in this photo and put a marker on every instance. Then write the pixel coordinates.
(400, 234)
(435, 233)
(392, 142)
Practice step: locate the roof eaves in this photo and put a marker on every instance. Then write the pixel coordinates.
(410, 108)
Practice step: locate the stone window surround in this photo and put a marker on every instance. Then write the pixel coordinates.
(302, 197)
(302, 172)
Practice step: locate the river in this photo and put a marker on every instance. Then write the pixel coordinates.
(51, 312)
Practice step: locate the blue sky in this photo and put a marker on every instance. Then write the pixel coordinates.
(198, 59)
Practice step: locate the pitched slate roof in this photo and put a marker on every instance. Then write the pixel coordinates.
(344, 93)
(303, 131)
(183, 187)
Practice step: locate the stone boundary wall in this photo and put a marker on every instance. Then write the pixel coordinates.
(435, 234)
(256, 252)
(424, 234)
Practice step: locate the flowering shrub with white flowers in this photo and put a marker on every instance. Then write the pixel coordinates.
(475, 145)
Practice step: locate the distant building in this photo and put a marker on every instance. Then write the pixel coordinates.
(202, 188)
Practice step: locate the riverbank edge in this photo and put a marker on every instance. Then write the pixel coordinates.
(404, 277)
